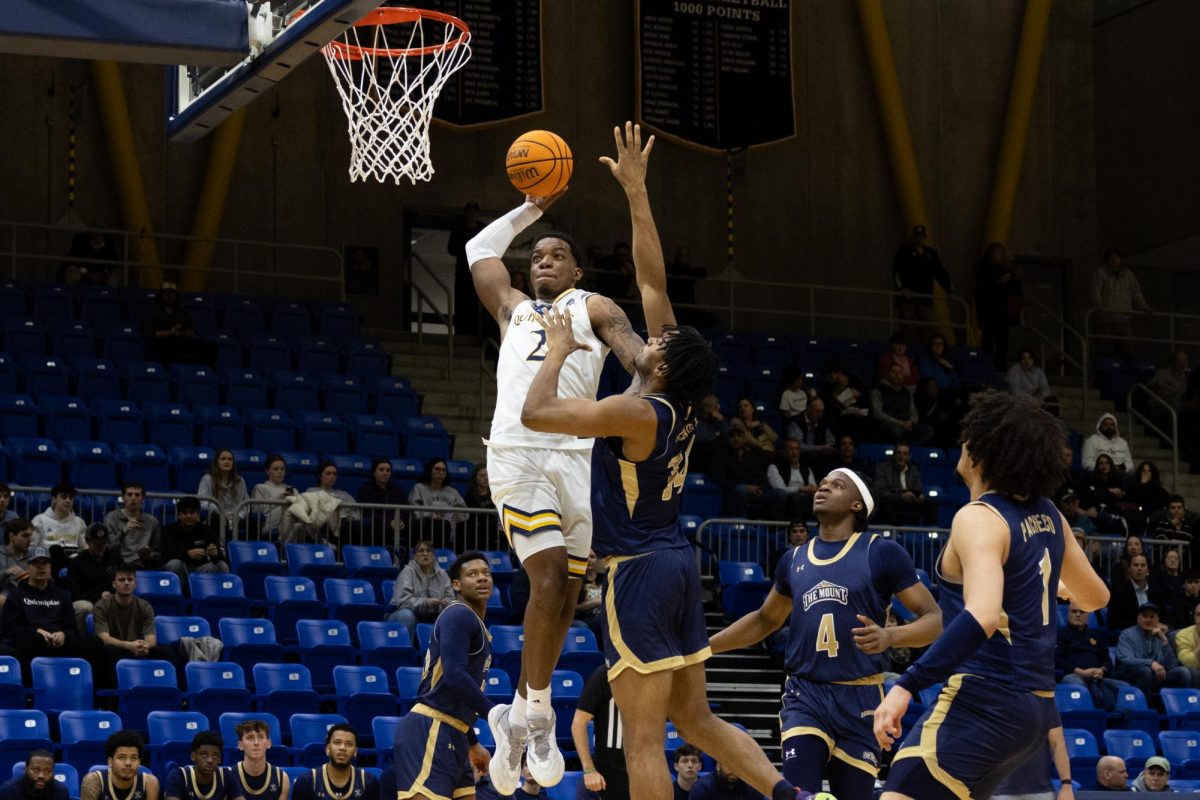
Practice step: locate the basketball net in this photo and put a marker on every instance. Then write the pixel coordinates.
(389, 71)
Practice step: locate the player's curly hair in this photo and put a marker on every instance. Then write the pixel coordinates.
(576, 250)
(120, 739)
(1017, 446)
(691, 364)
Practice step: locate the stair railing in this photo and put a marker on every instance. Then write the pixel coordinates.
(447, 318)
(1148, 422)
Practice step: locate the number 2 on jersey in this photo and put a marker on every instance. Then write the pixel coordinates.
(538, 353)
(827, 642)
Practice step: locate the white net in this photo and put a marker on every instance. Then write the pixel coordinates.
(389, 70)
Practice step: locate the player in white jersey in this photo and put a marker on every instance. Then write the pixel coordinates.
(541, 482)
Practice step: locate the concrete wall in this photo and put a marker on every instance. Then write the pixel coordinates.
(820, 207)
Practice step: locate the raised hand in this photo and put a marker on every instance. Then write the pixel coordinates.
(630, 167)
(560, 338)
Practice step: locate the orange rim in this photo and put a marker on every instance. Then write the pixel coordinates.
(391, 15)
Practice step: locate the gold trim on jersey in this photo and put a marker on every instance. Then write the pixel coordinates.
(440, 716)
(436, 677)
(866, 680)
(266, 776)
(329, 787)
(926, 749)
(190, 778)
(629, 483)
(857, 763)
(806, 730)
(1002, 628)
(626, 659)
(112, 788)
(418, 786)
(529, 523)
(846, 548)
(674, 420)
(576, 566)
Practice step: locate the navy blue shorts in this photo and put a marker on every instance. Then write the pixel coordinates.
(840, 714)
(976, 734)
(430, 757)
(654, 618)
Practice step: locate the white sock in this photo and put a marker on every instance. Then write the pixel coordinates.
(516, 714)
(539, 702)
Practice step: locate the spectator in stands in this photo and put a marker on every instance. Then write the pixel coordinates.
(134, 534)
(914, 269)
(1170, 382)
(688, 759)
(710, 422)
(897, 353)
(999, 298)
(742, 475)
(1181, 611)
(1145, 658)
(273, 488)
(316, 515)
(846, 456)
(1115, 294)
(1144, 491)
(1068, 504)
(760, 433)
(797, 536)
(433, 490)
(58, 527)
(189, 545)
(900, 492)
(1131, 594)
(14, 558)
(1106, 485)
(589, 606)
(89, 574)
(1111, 775)
(125, 623)
(1025, 377)
(604, 773)
(894, 411)
(936, 365)
(170, 332)
(937, 410)
(223, 484)
(812, 431)
(6, 513)
(1187, 642)
(794, 399)
(39, 620)
(846, 399)
(86, 259)
(1155, 776)
(1169, 576)
(723, 785)
(205, 777)
(794, 477)
(1133, 547)
(422, 590)
(1175, 522)
(1081, 657)
(482, 531)
(1107, 441)
(382, 527)
(36, 781)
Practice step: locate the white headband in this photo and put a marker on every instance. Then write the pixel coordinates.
(868, 500)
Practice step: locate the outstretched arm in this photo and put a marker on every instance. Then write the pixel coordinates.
(755, 626)
(651, 268)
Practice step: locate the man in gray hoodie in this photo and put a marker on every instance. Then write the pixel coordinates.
(422, 590)
(1107, 440)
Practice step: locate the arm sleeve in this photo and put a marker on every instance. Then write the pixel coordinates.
(1184, 641)
(892, 568)
(774, 478)
(405, 596)
(1167, 656)
(457, 634)
(100, 618)
(781, 573)
(148, 628)
(1127, 654)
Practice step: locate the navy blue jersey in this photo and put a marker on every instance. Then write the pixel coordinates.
(267, 786)
(1020, 653)
(460, 646)
(830, 584)
(316, 785)
(635, 505)
(110, 792)
(181, 783)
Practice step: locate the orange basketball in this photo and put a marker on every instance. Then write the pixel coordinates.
(539, 163)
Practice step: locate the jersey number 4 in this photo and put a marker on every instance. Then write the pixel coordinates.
(827, 642)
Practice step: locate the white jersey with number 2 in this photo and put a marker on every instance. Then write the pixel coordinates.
(521, 355)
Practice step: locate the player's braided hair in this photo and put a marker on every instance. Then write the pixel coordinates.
(691, 364)
(1017, 445)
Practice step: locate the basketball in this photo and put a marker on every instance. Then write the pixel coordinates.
(539, 163)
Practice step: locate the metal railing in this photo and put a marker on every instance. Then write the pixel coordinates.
(424, 300)
(1172, 439)
(100, 502)
(1104, 552)
(1182, 329)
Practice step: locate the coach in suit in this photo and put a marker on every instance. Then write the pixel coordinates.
(900, 491)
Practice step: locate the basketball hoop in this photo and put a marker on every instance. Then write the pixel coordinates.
(389, 71)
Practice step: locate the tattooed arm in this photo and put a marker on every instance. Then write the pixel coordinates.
(612, 327)
(90, 788)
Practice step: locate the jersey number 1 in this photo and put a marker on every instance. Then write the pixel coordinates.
(827, 642)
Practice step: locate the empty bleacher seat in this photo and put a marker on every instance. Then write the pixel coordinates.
(1081, 749)
(1136, 714)
(353, 469)
(215, 596)
(189, 465)
(121, 342)
(12, 691)
(344, 394)
(220, 426)
(61, 684)
(324, 643)
(8, 374)
(316, 561)
(171, 733)
(18, 416)
(322, 432)
(271, 430)
(285, 689)
(170, 424)
(374, 435)
(99, 304)
(245, 388)
(1182, 707)
(252, 562)
(82, 735)
(163, 590)
(145, 685)
(145, 382)
(337, 322)
(317, 355)
(201, 307)
(308, 736)
(22, 730)
(171, 628)
(395, 398)
(701, 497)
(362, 694)
(243, 314)
(66, 418)
(250, 641)
(118, 421)
(146, 464)
(507, 642)
(368, 360)
(384, 729)
(24, 335)
(369, 562)
(1182, 749)
(296, 391)
(408, 683)
(352, 600)
(194, 384)
(36, 462)
(580, 653)
(291, 598)
(44, 375)
(12, 299)
(73, 340)
(386, 645)
(216, 687)
(290, 319)
(425, 438)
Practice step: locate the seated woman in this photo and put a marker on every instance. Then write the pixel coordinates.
(422, 590)
(317, 515)
(273, 488)
(760, 433)
(481, 531)
(381, 527)
(438, 526)
(223, 484)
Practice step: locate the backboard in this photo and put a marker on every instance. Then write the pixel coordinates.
(282, 34)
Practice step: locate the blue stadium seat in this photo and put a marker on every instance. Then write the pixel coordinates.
(743, 587)
(215, 687)
(122, 342)
(18, 416)
(507, 642)
(171, 628)
(195, 384)
(24, 335)
(271, 430)
(1076, 709)
(322, 432)
(324, 643)
(22, 730)
(308, 737)
(229, 349)
(12, 691)
(99, 304)
(118, 421)
(374, 435)
(201, 307)
(90, 465)
(368, 360)
(36, 462)
(221, 426)
(145, 463)
(170, 424)
(243, 314)
(580, 653)
(732, 572)
(701, 497)
(245, 388)
(301, 469)
(64, 774)
(317, 355)
(395, 398)
(386, 645)
(145, 685)
(189, 465)
(1182, 749)
(61, 684)
(501, 566)
(352, 600)
(362, 694)
(145, 382)
(266, 352)
(8, 374)
(425, 635)
(1134, 747)
(408, 682)
(425, 438)
(215, 596)
(337, 322)
(1137, 715)
(290, 320)
(170, 735)
(1182, 707)
(74, 340)
(316, 561)
(296, 391)
(66, 418)
(344, 394)
(12, 300)
(250, 641)
(351, 469)
(498, 687)
(565, 687)
(82, 735)
(406, 472)
(291, 598)
(163, 590)
(252, 562)
(384, 729)
(371, 563)
(250, 462)
(285, 689)
(227, 724)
